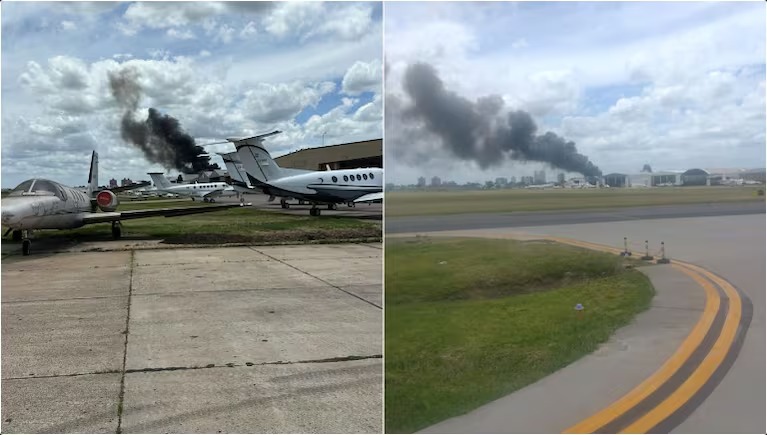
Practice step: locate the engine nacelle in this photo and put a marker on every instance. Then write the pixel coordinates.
(107, 200)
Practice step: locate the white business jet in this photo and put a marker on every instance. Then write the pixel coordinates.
(208, 192)
(331, 187)
(44, 204)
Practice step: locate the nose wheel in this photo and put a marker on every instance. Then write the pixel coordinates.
(116, 230)
(26, 243)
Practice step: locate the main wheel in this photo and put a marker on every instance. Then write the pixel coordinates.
(26, 246)
(331, 206)
(284, 204)
(116, 230)
(314, 211)
(16, 235)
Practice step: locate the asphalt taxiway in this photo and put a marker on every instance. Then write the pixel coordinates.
(214, 340)
(731, 399)
(471, 221)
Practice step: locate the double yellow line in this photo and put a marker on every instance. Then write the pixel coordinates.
(666, 406)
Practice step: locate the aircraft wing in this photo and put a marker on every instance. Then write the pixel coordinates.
(94, 218)
(129, 187)
(378, 196)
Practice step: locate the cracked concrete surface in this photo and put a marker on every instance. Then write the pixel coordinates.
(261, 339)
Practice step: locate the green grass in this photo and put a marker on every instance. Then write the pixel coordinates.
(230, 225)
(496, 317)
(508, 200)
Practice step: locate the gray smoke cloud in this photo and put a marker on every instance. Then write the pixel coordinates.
(481, 131)
(160, 137)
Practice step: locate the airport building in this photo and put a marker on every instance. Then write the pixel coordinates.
(694, 177)
(616, 180)
(364, 154)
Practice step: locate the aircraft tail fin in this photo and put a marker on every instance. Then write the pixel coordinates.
(93, 174)
(258, 163)
(233, 165)
(159, 180)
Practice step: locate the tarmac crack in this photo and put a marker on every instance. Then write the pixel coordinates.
(79, 298)
(125, 348)
(317, 278)
(251, 364)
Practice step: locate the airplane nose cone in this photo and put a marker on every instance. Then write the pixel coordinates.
(11, 214)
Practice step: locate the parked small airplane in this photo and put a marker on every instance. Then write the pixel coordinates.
(208, 192)
(44, 204)
(331, 187)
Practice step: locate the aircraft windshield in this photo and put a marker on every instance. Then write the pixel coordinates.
(37, 186)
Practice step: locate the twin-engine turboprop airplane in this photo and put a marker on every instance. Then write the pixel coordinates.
(208, 192)
(329, 187)
(43, 204)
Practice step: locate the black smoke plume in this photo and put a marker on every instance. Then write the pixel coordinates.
(160, 137)
(479, 130)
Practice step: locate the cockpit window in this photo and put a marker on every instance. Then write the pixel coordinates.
(23, 187)
(37, 187)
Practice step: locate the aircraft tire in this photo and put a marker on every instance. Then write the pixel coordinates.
(16, 235)
(26, 246)
(116, 230)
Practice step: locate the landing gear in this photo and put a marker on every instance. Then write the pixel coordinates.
(16, 235)
(331, 206)
(116, 230)
(26, 243)
(193, 198)
(314, 211)
(284, 203)
(351, 204)
(205, 200)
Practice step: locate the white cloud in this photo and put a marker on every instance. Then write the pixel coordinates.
(268, 103)
(180, 34)
(363, 77)
(249, 30)
(68, 25)
(311, 19)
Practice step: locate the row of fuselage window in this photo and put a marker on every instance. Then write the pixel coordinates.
(194, 186)
(351, 177)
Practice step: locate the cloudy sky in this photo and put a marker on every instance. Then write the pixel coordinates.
(675, 85)
(222, 69)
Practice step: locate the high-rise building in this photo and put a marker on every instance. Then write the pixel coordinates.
(126, 182)
(513, 180)
(421, 181)
(435, 181)
(540, 177)
(501, 181)
(112, 183)
(561, 178)
(526, 179)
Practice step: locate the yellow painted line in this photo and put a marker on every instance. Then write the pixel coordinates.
(702, 373)
(651, 384)
(697, 379)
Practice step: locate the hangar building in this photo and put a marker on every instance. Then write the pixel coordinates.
(368, 153)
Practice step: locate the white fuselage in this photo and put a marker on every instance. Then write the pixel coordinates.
(199, 190)
(62, 209)
(334, 186)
